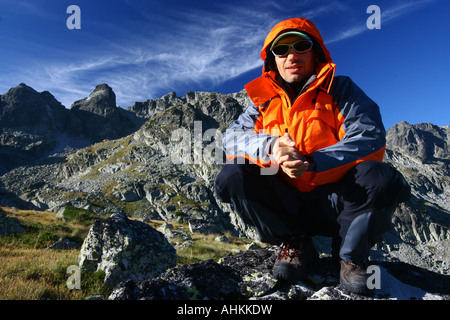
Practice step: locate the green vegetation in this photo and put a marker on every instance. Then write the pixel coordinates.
(78, 215)
(205, 248)
(29, 271)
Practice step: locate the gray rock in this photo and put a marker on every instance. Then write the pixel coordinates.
(125, 249)
(203, 226)
(421, 233)
(166, 229)
(421, 152)
(30, 123)
(100, 117)
(204, 280)
(222, 239)
(10, 225)
(63, 244)
(248, 276)
(331, 293)
(252, 246)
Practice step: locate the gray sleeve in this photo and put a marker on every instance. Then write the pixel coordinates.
(240, 138)
(364, 130)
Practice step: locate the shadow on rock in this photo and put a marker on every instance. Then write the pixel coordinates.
(419, 277)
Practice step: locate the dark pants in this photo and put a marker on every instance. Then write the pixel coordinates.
(354, 211)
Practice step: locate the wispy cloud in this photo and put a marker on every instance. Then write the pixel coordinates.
(141, 69)
(206, 48)
(402, 9)
(191, 47)
(388, 14)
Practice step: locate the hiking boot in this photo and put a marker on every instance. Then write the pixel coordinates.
(353, 277)
(295, 259)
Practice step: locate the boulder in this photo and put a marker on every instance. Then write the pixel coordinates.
(125, 249)
(63, 244)
(10, 225)
(205, 280)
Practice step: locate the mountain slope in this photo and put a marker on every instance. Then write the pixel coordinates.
(165, 169)
(422, 225)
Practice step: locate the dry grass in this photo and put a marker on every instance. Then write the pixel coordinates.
(204, 247)
(36, 274)
(28, 271)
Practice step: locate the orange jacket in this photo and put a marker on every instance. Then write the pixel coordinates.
(334, 124)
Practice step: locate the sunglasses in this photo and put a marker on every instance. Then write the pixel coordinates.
(300, 47)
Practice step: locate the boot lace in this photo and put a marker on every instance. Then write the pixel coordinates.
(288, 251)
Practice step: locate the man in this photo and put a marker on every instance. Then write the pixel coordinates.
(305, 159)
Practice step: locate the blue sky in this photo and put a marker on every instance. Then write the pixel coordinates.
(145, 49)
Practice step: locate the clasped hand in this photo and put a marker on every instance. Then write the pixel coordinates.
(288, 157)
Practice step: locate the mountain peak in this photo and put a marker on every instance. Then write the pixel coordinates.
(102, 86)
(22, 85)
(23, 106)
(102, 101)
(425, 142)
(21, 89)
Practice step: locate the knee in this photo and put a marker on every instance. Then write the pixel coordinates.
(221, 184)
(231, 180)
(231, 171)
(375, 174)
(384, 181)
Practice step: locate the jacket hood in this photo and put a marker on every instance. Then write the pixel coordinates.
(300, 24)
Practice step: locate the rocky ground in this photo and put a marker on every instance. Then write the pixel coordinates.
(125, 251)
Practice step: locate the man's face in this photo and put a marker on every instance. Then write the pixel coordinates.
(295, 67)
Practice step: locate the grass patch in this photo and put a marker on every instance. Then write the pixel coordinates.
(78, 215)
(28, 271)
(202, 250)
(204, 247)
(42, 228)
(30, 274)
(33, 274)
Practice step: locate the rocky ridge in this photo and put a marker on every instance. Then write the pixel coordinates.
(421, 226)
(35, 125)
(136, 173)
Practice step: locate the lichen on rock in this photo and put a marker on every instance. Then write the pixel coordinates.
(125, 249)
